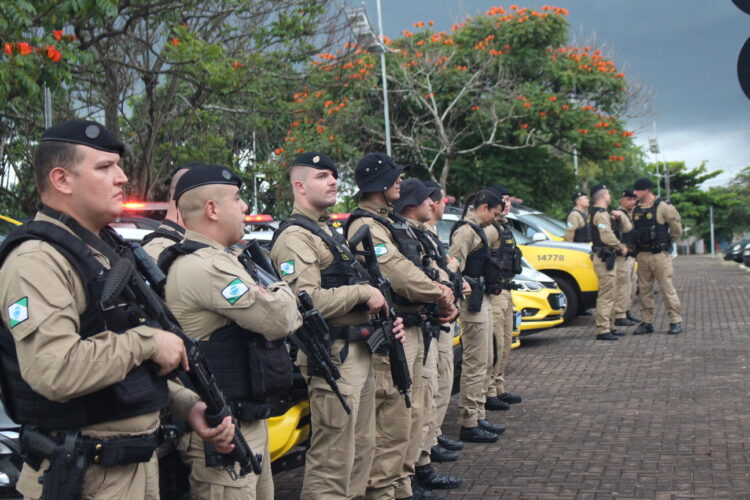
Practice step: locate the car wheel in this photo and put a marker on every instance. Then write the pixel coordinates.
(571, 295)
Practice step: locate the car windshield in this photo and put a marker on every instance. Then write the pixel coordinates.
(545, 222)
(444, 230)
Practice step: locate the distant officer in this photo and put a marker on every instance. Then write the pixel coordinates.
(400, 258)
(307, 250)
(443, 448)
(509, 259)
(577, 227)
(171, 230)
(472, 248)
(239, 324)
(625, 264)
(606, 247)
(657, 224)
(82, 374)
(416, 205)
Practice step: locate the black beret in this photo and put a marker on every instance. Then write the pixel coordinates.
(86, 133)
(643, 184)
(577, 195)
(597, 188)
(413, 193)
(437, 195)
(316, 160)
(203, 175)
(628, 193)
(376, 172)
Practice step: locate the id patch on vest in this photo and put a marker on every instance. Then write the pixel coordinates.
(286, 268)
(18, 312)
(234, 290)
(601, 226)
(380, 249)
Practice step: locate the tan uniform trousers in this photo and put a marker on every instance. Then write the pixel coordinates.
(341, 446)
(128, 482)
(476, 342)
(625, 267)
(397, 428)
(605, 299)
(657, 267)
(502, 326)
(429, 388)
(213, 483)
(444, 387)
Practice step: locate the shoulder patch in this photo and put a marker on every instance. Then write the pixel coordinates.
(381, 249)
(570, 224)
(286, 268)
(601, 226)
(234, 290)
(18, 312)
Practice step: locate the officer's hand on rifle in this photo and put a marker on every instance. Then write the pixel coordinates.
(221, 435)
(447, 314)
(447, 296)
(170, 352)
(467, 288)
(376, 303)
(398, 329)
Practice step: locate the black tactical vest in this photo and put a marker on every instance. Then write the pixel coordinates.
(340, 272)
(482, 261)
(648, 234)
(248, 368)
(596, 237)
(176, 233)
(142, 391)
(625, 238)
(508, 257)
(583, 234)
(406, 239)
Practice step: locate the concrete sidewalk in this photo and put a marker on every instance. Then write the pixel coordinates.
(653, 416)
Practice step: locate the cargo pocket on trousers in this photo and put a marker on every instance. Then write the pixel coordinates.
(335, 417)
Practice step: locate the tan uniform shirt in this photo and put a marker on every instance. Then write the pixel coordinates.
(53, 358)
(406, 279)
(575, 222)
(603, 223)
(300, 256)
(156, 246)
(209, 289)
(666, 213)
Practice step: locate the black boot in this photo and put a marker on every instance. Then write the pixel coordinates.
(624, 322)
(643, 329)
(491, 426)
(431, 479)
(619, 333)
(495, 404)
(477, 435)
(440, 454)
(606, 336)
(631, 317)
(450, 444)
(675, 328)
(509, 398)
(421, 493)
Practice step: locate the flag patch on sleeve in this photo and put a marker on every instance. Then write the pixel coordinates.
(234, 290)
(18, 312)
(381, 249)
(286, 268)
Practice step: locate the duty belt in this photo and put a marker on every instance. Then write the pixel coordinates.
(349, 333)
(249, 411)
(411, 319)
(498, 289)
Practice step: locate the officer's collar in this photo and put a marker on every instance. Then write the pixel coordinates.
(376, 207)
(415, 223)
(47, 218)
(472, 217)
(172, 225)
(202, 238)
(320, 218)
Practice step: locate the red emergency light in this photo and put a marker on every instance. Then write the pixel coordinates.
(133, 206)
(339, 216)
(258, 218)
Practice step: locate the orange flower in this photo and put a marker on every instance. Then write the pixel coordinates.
(527, 105)
(420, 24)
(475, 108)
(524, 125)
(53, 54)
(553, 98)
(431, 23)
(57, 35)
(236, 64)
(331, 138)
(328, 104)
(420, 43)
(175, 42)
(278, 151)
(542, 113)
(24, 48)
(8, 49)
(407, 34)
(565, 107)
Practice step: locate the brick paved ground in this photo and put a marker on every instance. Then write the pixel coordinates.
(654, 416)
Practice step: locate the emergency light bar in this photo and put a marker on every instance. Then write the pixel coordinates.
(258, 218)
(133, 206)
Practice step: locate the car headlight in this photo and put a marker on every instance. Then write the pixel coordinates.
(528, 285)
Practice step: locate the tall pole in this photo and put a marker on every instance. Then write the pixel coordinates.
(47, 107)
(575, 162)
(666, 176)
(386, 113)
(711, 221)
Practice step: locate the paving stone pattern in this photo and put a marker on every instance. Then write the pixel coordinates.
(653, 416)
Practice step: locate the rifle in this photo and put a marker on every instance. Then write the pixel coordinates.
(312, 337)
(477, 293)
(123, 280)
(383, 322)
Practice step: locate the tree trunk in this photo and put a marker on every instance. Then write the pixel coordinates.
(444, 173)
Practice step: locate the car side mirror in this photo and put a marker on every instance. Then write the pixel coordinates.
(539, 237)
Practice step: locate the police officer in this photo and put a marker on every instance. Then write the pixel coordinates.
(606, 247)
(416, 205)
(400, 258)
(307, 250)
(72, 369)
(577, 226)
(239, 324)
(657, 224)
(625, 264)
(443, 448)
(171, 230)
(473, 250)
(502, 305)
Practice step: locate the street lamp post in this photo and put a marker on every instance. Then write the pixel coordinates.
(653, 146)
(365, 34)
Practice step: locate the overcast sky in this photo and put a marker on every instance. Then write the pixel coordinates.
(682, 51)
